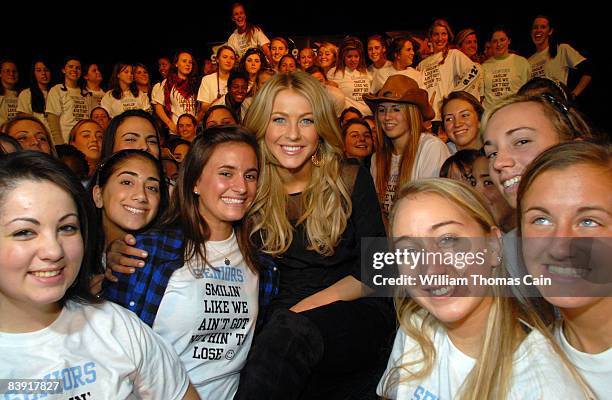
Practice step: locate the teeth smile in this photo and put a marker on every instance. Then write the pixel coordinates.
(231, 200)
(134, 210)
(511, 182)
(291, 149)
(443, 291)
(568, 271)
(46, 274)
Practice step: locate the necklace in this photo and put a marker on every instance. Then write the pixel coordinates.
(226, 260)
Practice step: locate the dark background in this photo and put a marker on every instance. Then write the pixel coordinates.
(107, 32)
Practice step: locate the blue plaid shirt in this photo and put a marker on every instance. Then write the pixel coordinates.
(142, 291)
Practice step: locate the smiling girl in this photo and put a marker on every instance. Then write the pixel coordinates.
(87, 136)
(123, 94)
(201, 263)
(128, 189)
(51, 327)
(447, 69)
(465, 341)
(565, 209)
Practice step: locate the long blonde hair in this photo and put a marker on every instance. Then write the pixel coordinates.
(325, 203)
(491, 376)
(384, 151)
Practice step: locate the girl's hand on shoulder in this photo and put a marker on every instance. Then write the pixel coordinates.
(120, 257)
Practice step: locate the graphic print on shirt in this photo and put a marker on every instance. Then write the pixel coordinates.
(227, 320)
(81, 109)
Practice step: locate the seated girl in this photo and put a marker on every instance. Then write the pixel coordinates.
(51, 327)
(461, 339)
(565, 221)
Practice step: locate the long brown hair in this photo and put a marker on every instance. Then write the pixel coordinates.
(184, 208)
(384, 151)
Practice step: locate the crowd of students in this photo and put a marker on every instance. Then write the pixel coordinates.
(208, 237)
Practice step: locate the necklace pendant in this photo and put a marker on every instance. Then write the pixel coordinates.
(227, 261)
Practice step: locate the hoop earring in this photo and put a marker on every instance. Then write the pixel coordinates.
(316, 158)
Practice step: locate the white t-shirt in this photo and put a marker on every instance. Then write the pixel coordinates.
(209, 90)
(503, 78)
(457, 73)
(126, 102)
(95, 97)
(557, 68)
(179, 105)
(596, 369)
(354, 84)
(8, 106)
(240, 44)
(381, 76)
(24, 105)
(69, 105)
(372, 69)
(210, 321)
(431, 154)
(537, 372)
(98, 352)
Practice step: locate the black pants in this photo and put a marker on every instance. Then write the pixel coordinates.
(338, 351)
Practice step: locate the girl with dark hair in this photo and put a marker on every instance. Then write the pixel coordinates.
(246, 35)
(48, 252)
(8, 144)
(176, 95)
(358, 143)
(101, 116)
(187, 126)
(129, 190)
(9, 76)
(132, 129)
(214, 86)
(351, 74)
(66, 102)
(92, 81)
(142, 78)
(178, 148)
(201, 255)
(555, 60)
(504, 73)
(349, 113)
(377, 53)
(219, 115)
(32, 101)
(237, 89)
(403, 54)
(287, 63)
(461, 113)
(123, 93)
(251, 62)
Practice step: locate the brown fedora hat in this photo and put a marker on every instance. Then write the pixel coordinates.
(401, 89)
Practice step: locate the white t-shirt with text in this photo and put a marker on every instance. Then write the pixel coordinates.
(210, 320)
(538, 373)
(97, 352)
